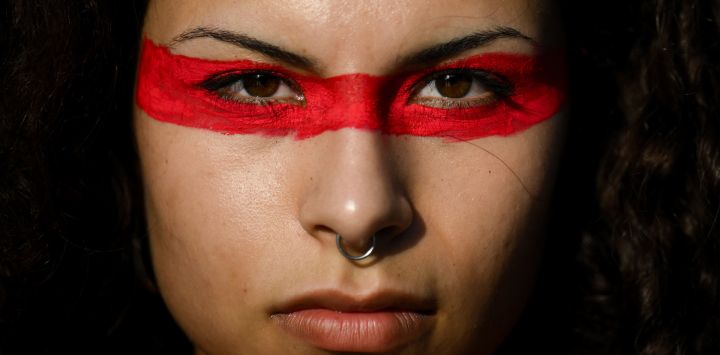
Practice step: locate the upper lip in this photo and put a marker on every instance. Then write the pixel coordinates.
(383, 300)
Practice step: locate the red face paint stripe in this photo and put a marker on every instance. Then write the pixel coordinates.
(169, 89)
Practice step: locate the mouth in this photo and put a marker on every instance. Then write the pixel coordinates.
(334, 321)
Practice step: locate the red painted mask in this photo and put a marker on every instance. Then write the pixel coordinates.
(521, 90)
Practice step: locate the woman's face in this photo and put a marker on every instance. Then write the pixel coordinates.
(243, 216)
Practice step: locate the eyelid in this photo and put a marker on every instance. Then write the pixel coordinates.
(496, 83)
(217, 81)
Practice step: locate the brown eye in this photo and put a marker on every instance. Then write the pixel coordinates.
(454, 86)
(461, 88)
(257, 88)
(261, 85)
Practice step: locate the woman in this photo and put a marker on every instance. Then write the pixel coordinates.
(259, 221)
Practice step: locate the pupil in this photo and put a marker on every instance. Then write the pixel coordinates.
(454, 85)
(261, 85)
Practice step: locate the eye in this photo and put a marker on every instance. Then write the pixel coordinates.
(461, 88)
(256, 87)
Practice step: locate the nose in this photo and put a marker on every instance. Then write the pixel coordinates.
(354, 192)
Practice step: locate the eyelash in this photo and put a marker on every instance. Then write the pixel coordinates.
(499, 87)
(216, 83)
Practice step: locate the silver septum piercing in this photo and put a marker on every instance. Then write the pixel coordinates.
(338, 241)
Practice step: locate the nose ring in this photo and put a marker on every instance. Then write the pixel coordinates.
(338, 241)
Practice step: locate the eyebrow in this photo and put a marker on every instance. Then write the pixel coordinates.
(458, 45)
(247, 42)
(423, 57)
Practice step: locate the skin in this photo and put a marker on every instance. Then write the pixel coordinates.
(239, 223)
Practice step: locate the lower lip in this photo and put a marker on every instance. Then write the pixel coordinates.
(354, 331)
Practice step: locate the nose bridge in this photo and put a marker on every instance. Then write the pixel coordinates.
(356, 193)
(357, 102)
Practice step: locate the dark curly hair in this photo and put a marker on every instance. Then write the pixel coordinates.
(633, 258)
(658, 279)
(68, 184)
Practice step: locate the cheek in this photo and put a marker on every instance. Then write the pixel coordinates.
(487, 256)
(202, 196)
(483, 204)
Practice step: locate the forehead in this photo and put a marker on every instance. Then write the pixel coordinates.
(356, 33)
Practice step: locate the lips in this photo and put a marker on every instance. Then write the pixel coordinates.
(336, 321)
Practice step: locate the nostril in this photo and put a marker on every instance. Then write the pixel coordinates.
(388, 233)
